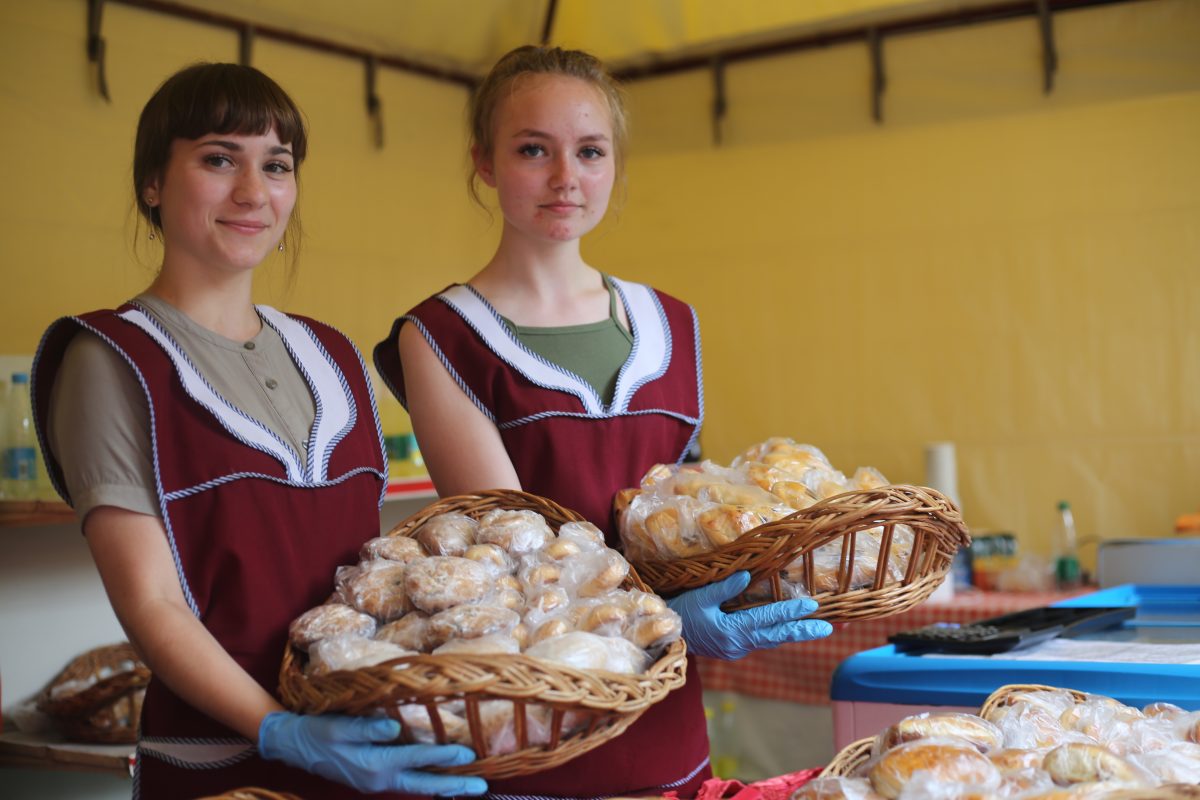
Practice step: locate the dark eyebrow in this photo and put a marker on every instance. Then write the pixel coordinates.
(277, 150)
(532, 133)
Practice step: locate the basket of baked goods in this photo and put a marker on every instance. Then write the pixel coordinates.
(97, 697)
(497, 620)
(863, 548)
(1028, 742)
(252, 793)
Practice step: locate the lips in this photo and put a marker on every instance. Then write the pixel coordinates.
(561, 208)
(245, 226)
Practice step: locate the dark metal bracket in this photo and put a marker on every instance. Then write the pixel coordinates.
(548, 22)
(245, 45)
(1049, 51)
(878, 75)
(374, 106)
(96, 46)
(720, 104)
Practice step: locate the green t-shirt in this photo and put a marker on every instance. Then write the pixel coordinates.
(595, 351)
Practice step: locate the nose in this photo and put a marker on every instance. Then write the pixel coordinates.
(250, 189)
(563, 174)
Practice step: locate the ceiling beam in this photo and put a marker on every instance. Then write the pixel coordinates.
(303, 40)
(635, 70)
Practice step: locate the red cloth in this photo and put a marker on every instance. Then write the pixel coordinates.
(777, 788)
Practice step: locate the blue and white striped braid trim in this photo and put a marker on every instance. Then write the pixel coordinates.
(623, 398)
(196, 754)
(581, 387)
(699, 388)
(291, 461)
(158, 487)
(237, 476)
(541, 415)
(326, 454)
(509, 349)
(660, 787)
(437, 351)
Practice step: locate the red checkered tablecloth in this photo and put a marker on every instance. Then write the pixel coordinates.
(802, 673)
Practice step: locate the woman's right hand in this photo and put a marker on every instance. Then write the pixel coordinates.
(355, 751)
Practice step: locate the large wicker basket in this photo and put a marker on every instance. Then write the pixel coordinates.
(938, 532)
(252, 793)
(857, 753)
(108, 707)
(611, 701)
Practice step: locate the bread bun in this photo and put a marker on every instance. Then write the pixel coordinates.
(447, 534)
(440, 582)
(377, 588)
(1076, 762)
(940, 760)
(471, 622)
(410, 632)
(391, 548)
(980, 733)
(331, 619)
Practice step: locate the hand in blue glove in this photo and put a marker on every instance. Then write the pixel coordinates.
(711, 632)
(355, 751)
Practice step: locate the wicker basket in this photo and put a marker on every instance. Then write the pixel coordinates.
(108, 709)
(938, 534)
(857, 753)
(611, 701)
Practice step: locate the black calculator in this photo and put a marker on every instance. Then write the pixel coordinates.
(1011, 631)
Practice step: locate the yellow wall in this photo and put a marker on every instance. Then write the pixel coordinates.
(1016, 273)
(1013, 272)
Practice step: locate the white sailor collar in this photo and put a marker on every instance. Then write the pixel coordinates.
(648, 359)
(335, 409)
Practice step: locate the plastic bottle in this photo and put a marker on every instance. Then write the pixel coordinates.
(20, 443)
(1066, 562)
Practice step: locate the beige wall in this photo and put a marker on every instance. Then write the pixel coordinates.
(1013, 272)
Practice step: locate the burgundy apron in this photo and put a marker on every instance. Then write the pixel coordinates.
(567, 444)
(256, 536)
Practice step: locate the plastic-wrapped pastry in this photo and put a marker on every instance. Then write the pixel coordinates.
(544, 602)
(652, 632)
(602, 617)
(1076, 762)
(942, 760)
(417, 726)
(351, 652)
(492, 556)
(1163, 710)
(1015, 759)
(471, 622)
(602, 572)
(583, 650)
(331, 619)
(582, 533)
(439, 582)
(447, 534)
(536, 575)
(1052, 701)
(723, 524)
(410, 632)
(392, 548)
(489, 644)
(549, 628)
(794, 494)
(980, 733)
(670, 525)
(1176, 763)
(867, 478)
(516, 531)
(376, 588)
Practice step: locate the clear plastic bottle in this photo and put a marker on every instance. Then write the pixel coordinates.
(20, 442)
(1066, 561)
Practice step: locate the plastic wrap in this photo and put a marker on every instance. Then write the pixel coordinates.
(447, 534)
(516, 531)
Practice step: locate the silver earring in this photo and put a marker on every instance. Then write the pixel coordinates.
(151, 236)
(281, 245)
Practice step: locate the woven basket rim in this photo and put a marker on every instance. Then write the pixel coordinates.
(768, 548)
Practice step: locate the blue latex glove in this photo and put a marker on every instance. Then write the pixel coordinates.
(355, 751)
(711, 632)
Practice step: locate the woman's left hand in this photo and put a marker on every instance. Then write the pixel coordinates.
(711, 632)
